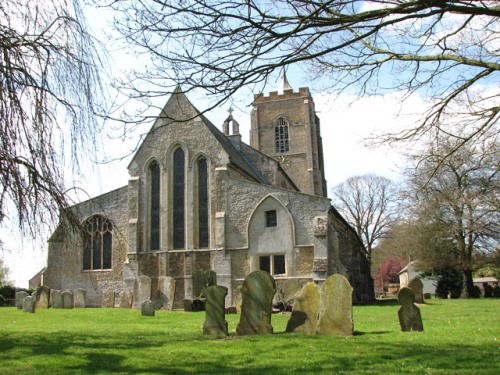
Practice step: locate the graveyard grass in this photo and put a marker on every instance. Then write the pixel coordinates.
(460, 337)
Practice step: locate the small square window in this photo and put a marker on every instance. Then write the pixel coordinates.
(279, 265)
(271, 219)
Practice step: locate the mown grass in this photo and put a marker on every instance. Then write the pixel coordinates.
(460, 337)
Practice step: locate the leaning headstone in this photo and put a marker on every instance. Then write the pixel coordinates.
(42, 297)
(123, 299)
(108, 298)
(143, 290)
(67, 298)
(417, 287)
(79, 296)
(257, 294)
(148, 308)
(29, 304)
(56, 299)
(335, 307)
(304, 318)
(20, 296)
(409, 313)
(165, 293)
(215, 323)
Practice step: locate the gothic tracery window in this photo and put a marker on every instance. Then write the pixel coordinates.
(178, 199)
(203, 226)
(281, 138)
(97, 241)
(154, 208)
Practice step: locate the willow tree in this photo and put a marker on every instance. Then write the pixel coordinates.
(442, 50)
(49, 92)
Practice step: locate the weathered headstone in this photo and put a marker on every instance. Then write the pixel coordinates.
(67, 299)
(335, 307)
(496, 291)
(202, 280)
(29, 304)
(304, 318)
(488, 290)
(257, 294)
(108, 298)
(79, 297)
(123, 299)
(56, 299)
(143, 290)
(215, 323)
(418, 288)
(165, 293)
(20, 296)
(409, 314)
(148, 308)
(42, 297)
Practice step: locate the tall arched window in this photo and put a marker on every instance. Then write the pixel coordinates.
(154, 206)
(281, 136)
(97, 241)
(178, 199)
(203, 229)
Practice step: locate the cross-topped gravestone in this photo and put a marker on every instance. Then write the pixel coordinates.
(409, 314)
(215, 323)
(257, 294)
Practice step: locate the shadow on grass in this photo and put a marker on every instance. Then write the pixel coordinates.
(62, 353)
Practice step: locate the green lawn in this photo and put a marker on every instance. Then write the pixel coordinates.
(460, 337)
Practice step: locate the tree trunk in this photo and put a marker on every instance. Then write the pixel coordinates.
(469, 284)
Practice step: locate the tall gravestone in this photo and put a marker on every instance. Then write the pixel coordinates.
(215, 323)
(123, 299)
(56, 299)
(67, 299)
(335, 307)
(409, 314)
(418, 288)
(148, 308)
(143, 290)
(42, 297)
(20, 296)
(304, 318)
(257, 294)
(79, 297)
(29, 304)
(165, 293)
(108, 298)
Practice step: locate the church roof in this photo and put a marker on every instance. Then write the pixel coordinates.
(178, 108)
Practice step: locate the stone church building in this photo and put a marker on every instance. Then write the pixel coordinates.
(201, 199)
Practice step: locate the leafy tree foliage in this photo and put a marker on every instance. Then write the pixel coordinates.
(444, 50)
(49, 92)
(368, 204)
(456, 205)
(388, 272)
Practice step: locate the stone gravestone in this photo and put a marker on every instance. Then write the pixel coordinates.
(143, 290)
(20, 296)
(215, 323)
(29, 304)
(148, 308)
(335, 307)
(304, 318)
(418, 288)
(257, 294)
(42, 297)
(496, 291)
(56, 299)
(108, 297)
(123, 299)
(79, 296)
(409, 314)
(165, 293)
(67, 299)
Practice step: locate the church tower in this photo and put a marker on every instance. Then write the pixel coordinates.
(285, 127)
